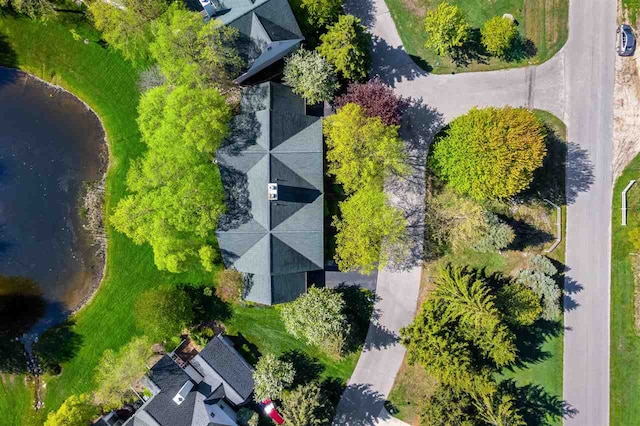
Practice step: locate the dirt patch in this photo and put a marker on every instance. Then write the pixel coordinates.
(626, 110)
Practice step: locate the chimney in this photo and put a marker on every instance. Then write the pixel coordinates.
(272, 191)
(183, 392)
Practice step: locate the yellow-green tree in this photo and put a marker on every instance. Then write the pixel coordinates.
(490, 153)
(498, 35)
(77, 410)
(362, 150)
(446, 28)
(347, 46)
(128, 27)
(370, 231)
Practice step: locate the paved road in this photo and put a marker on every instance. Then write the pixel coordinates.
(575, 85)
(589, 83)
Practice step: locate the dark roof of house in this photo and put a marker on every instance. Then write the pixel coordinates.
(169, 377)
(273, 141)
(268, 30)
(230, 365)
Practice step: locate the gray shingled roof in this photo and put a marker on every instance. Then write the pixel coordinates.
(273, 141)
(268, 30)
(230, 365)
(169, 377)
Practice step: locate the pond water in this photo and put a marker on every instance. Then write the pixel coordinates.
(51, 144)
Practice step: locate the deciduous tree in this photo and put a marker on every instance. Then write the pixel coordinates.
(362, 150)
(305, 406)
(116, 372)
(370, 232)
(310, 76)
(194, 52)
(127, 24)
(176, 193)
(163, 312)
(271, 377)
(347, 46)
(446, 28)
(318, 317)
(376, 99)
(322, 12)
(498, 35)
(76, 410)
(41, 9)
(490, 152)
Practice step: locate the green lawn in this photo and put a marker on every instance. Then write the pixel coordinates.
(625, 339)
(544, 23)
(107, 83)
(413, 385)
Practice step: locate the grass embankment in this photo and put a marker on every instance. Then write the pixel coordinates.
(413, 385)
(543, 24)
(106, 82)
(625, 336)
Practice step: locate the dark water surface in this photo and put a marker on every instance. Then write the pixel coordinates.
(50, 145)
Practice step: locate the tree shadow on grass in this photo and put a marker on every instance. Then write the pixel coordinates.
(472, 51)
(526, 235)
(521, 49)
(536, 405)
(57, 345)
(248, 350)
(308, 369)
(206, 308)
(8, 56)
(530, 339)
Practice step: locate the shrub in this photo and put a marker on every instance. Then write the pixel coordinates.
(498, 35)
(272, 376)
(362, 150)
(76, 410)
(542, 264)
(310, 76)
(248, 417)
(496, 235)
(347, 46)
(318, 317)
(540, 278)
(376, 99)
(490, 152)
(230, 286)
(202, 335)
(163, 312)
(322, 12)
(446, 28)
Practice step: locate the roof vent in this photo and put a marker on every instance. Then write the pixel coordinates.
(272, 191)
(183, 392)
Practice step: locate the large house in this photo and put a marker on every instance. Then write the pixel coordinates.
(267, 29)
(193, 389)
(272, 170)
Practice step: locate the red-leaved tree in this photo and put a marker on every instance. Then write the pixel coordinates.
(376, 99)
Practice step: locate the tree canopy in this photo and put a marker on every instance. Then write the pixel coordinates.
(491, 152)
(376, 99)
(163, 312)
(446, 28)
(41, 9)
(176, 191)
(310, 76)
(76, 410)
(370, 231)
(272, 376)
(318, 317)
(322, 12)
(116, 372)
(347, 46)
(305, 406)
(362, 150)
(194, 52)
(128, 27)
(498, 35)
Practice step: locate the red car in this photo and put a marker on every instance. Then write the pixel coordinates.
(271, 411)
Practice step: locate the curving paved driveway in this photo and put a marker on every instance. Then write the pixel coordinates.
(575, 85)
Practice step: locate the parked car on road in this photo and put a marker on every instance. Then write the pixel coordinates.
(626, 42)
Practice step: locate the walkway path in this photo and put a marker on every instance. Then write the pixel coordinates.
(575, 85)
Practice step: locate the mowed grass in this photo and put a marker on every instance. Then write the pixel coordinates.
(543, 22)
(413, 386)
(625, 338)
(105, 81)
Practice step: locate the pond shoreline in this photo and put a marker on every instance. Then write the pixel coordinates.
(89, 290)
